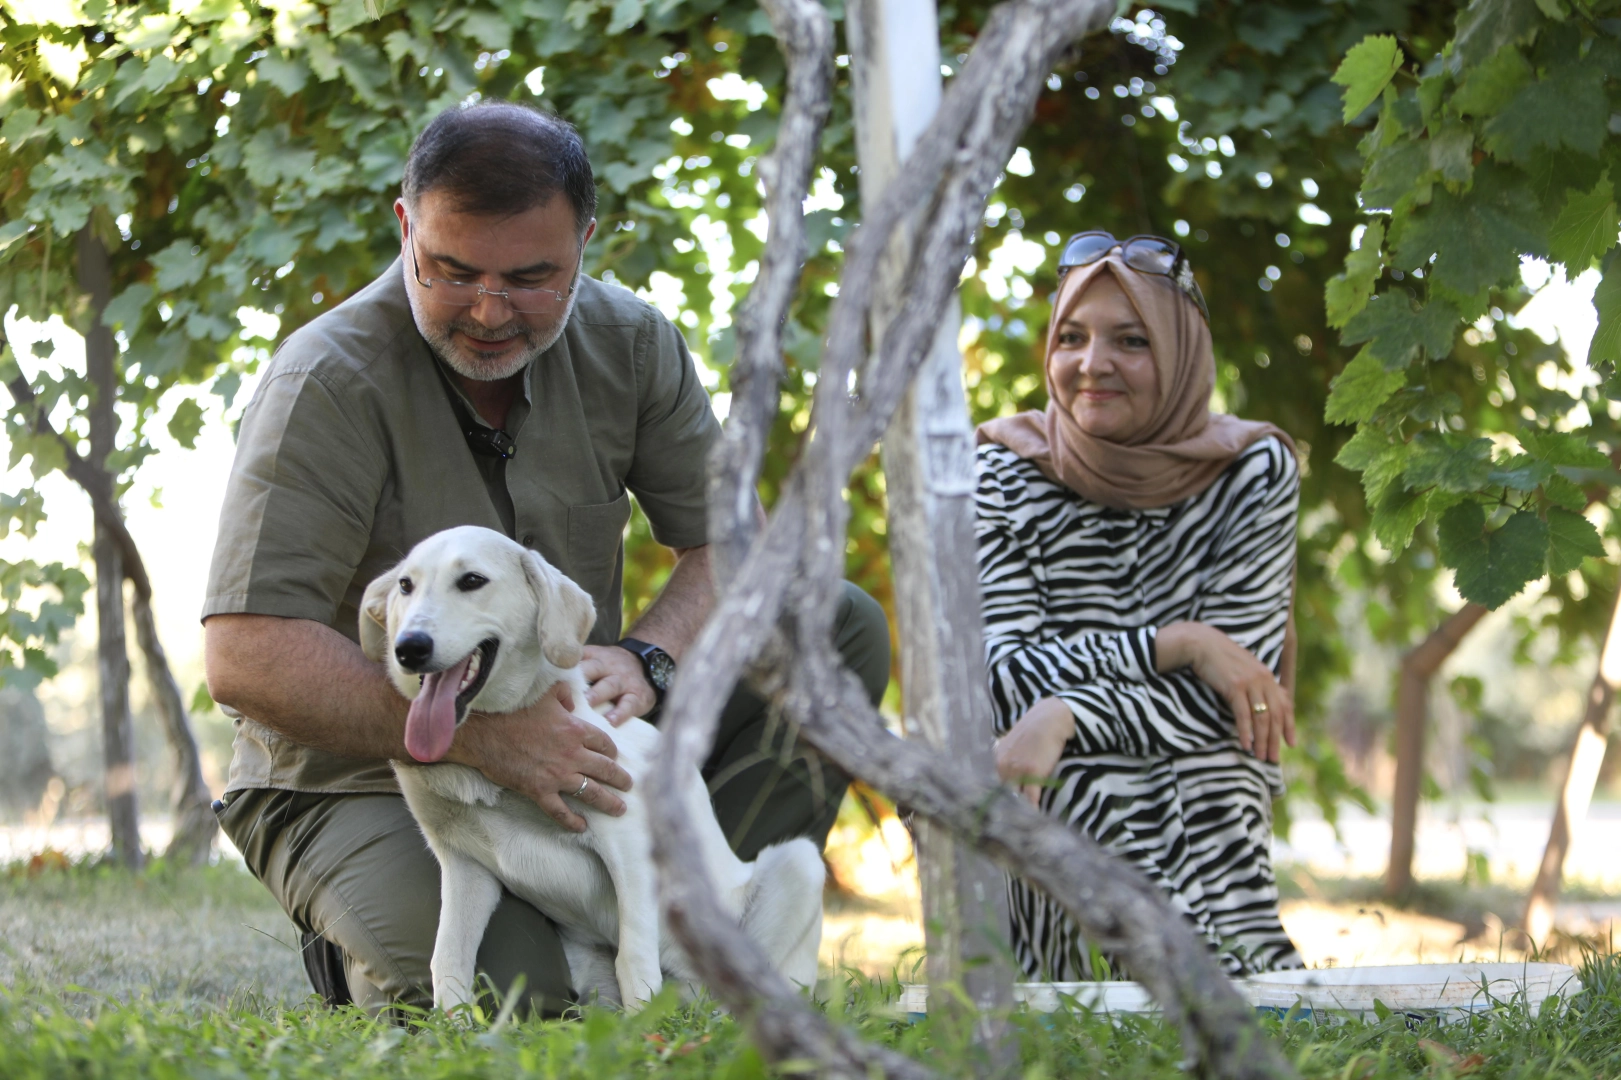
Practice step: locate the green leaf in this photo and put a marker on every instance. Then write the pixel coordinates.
(201, 701)
(177, 266)
(1363, 449)
(346, 15)
(1348, 293)
(1449, 463)
(1396, 516)
(1487, 25)
(1521, 472)
(1382, 473)
(286, 73)
(1452, 153)
(1571, 538)
(1562, 491)
(62, 61)
(1493, 567)
(1393, 174)
(1491, 84)
(1607, 299)
(1569, 108)
(1476, 236)
(1365, 71)
(1568, 448)
(125, 309)
(1394, 330)
(186, 423)
(1361, 388)
(1586, 227)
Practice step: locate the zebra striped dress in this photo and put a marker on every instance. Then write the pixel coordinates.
(1073, 593)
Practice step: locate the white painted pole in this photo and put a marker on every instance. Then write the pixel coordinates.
(928, 456)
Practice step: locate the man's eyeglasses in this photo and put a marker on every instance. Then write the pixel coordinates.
(468, 293)
(1145, 254)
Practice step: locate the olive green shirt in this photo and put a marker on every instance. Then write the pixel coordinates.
(352, 450)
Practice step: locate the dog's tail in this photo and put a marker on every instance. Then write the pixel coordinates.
(782, 907)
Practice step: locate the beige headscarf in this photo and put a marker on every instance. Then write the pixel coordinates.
(1184, 446)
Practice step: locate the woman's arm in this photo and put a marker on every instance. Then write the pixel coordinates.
(1242, 605)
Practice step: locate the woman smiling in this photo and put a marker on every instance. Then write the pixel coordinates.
(1136, 561)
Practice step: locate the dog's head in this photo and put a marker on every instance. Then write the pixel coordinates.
(471, 618)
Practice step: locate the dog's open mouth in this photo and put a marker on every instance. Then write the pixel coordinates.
(441, 705)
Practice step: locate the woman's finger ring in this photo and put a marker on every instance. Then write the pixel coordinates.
(1258, 707)
(583, 784)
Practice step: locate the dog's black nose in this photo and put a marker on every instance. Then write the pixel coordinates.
(413, 650)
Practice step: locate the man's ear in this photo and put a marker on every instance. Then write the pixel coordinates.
(564, 612)
(374, 617)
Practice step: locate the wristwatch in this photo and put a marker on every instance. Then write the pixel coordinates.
(657, 665)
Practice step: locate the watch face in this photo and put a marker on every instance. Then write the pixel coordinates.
(660, 669)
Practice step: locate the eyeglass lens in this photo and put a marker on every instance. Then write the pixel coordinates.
(528, 301)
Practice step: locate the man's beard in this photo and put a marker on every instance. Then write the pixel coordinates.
(441, 338)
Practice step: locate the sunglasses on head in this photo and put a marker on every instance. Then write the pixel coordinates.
(1145, 254)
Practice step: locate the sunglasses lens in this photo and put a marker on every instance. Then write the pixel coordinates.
(1087, 248)
(1152, 256)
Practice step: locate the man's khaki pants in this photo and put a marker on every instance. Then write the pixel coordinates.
(355, 869)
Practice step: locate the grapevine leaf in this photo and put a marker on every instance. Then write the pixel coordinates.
(1492, 567)
(186, 423)
(177, 267)
(1394, 330)
(1568, 108)
(1522, 472)
(1380, 475)
(1586, 227)
(1571, 538)
(1491, 84)
(1396, 516)
(1348, 293)
(1360, 388)
(1485, 26)
(1607, 299)
(1362, 449)
(1450, 464)
(1365, 71)
(1476, 237)
(1452, 153)
(1393, 173)
(1568, 448)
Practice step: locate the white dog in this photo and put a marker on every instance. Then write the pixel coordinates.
(470, 620)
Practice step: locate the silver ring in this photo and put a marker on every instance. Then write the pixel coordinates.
(583, 784)
(1258, 707)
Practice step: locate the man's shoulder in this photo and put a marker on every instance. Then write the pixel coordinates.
(604, 304)
(347, 341)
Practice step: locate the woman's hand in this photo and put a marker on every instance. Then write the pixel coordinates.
(1027, 755)
(1264, 711)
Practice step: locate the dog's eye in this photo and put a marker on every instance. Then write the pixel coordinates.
(470, 582)
(406, 586)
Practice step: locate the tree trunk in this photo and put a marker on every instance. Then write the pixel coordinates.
(1418, 667)
(1576, 794)
(112, 653)
(195, 825)
(928, 457)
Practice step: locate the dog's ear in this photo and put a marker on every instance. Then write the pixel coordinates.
(374, 617)
(564, 612)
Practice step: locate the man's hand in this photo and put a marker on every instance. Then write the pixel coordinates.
(543, 752)
(1263, 711)
(616, 675)
(1027, 755)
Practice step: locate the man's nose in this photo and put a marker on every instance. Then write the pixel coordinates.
(492, 310)
(414, 650)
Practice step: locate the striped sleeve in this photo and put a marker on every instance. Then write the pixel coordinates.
(1026, 665)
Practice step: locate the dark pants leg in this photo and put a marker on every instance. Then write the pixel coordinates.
(355, 870)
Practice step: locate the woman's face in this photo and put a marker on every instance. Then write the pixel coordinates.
(1103, 365)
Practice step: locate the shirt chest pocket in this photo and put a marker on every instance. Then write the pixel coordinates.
(595, 532)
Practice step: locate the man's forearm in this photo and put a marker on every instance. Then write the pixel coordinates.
(673, 620)
(306, 682)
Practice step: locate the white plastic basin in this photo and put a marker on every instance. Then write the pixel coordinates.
(1444, 990)
(1106, 997)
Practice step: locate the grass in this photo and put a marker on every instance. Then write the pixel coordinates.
(180, 974)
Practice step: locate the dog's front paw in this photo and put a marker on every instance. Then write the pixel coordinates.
(454, 995)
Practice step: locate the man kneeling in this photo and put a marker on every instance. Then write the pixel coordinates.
(481, 379)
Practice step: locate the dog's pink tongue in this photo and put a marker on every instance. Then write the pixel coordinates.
(431, 724)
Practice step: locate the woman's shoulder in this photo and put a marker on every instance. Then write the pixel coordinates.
(1265, 465)
(1007, 476)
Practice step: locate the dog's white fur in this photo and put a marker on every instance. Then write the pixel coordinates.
(599, 885)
